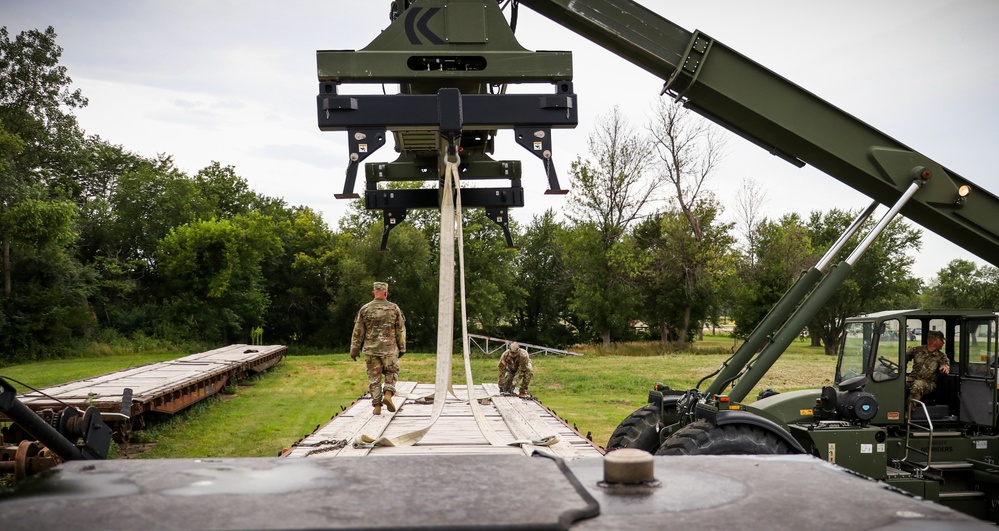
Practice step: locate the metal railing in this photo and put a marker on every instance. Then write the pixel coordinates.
(495, 345)
(929, 429)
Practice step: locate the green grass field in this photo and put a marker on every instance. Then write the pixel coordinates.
(271, 411)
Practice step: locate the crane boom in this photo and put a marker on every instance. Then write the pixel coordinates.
(788, 121)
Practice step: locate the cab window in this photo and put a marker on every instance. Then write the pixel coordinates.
(981, 347)
(856, 350)
(886, 361)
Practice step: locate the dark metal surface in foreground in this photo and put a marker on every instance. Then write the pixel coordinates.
(466, 492)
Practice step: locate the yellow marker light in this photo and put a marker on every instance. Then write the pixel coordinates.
(962, 195)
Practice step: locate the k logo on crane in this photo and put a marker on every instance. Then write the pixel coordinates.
(413, 25)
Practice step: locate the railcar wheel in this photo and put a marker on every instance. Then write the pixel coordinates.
(23, 458)
(704, 438)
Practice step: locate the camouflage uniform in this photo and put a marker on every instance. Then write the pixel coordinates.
(380, 327)
(515, 364)
(922, 379)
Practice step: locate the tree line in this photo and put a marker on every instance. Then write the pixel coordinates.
(103, 245)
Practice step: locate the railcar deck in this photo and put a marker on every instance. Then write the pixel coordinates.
(165, 387)
(455, 432)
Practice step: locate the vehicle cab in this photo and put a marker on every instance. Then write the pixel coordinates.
(875, 345)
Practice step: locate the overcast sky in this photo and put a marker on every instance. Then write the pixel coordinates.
(235, 82)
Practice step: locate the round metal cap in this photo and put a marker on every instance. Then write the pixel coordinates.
(628, 465)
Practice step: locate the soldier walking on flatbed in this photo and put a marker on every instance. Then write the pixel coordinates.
(380, 333)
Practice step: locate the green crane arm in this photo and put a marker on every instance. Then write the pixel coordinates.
(783, 118)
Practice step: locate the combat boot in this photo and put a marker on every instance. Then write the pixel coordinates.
(523, 393)
(378, 410)
(387, 400)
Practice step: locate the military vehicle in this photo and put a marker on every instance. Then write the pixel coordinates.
(945, 450)
(453, 61)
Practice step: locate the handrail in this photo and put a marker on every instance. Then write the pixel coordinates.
(929, 449)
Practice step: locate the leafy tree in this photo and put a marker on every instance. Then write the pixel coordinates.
(881, 279)
(97, 182)
(681, 275)
(10, 145)
(782, 251)
(45, 287)
(609, 193)
(954, 286)
(990, 287)
(410, 268)
(492, 291)
(45, 298)
(750, 202)
(302, 280)
(225, 193)
(35, 97)
(38, 134)
(148, 203)
(106, 163)
(689, 151)
(97, 247)
(542, 316)
(603, 297)
(660, 275)
(214, 271)
(962, 284)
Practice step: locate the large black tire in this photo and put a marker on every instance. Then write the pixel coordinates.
(704, 438)
(640, 430)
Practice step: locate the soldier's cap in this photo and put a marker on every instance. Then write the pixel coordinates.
(514, 346)
(381, 286)
(936, 333)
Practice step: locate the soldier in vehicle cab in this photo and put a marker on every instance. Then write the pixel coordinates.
(927, 361)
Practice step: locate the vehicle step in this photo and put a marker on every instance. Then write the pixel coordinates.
(961, 494)
(892, 472)
(946, 465)
(926, 434)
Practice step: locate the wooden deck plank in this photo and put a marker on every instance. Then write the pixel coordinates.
(521, 426)
(455, 450)
(455, 432)
(360, 420)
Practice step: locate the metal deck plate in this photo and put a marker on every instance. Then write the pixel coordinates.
(461, 492)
